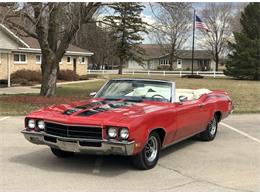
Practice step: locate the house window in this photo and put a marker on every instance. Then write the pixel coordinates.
(20, 58)
(60, 61)
(82, 60)
(179, 63)
(38, 58)
(69, 60)
(162, 61)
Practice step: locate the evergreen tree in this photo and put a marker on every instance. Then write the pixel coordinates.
(127, 25)
(244, 61)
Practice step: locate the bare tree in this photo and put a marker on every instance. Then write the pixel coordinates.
(218, 18)
(54, 25)
(172, 28)
(97, 39)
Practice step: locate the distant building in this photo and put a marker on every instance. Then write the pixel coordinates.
(155, 58)
(18, 53)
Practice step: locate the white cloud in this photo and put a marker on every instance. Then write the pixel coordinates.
(148, 19)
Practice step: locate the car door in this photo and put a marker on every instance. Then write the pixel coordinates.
(188, 118)
(205, 106)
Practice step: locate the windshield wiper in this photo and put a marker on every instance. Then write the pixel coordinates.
(112, 98)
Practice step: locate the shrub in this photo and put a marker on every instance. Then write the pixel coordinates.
(26, 76)
(163, 67)
(194, 76)
(68, 75)
(22, 81)
(84, 77)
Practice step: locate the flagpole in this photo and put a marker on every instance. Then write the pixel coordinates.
(193, 35)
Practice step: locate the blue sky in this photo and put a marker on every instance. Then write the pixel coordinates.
(147, 10)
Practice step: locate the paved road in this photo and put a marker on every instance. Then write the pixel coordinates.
(230, 163)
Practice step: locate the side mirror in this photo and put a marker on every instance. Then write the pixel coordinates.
(183, 98)
(92, 94)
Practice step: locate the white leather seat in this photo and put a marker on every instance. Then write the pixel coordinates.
(200, 92)
(190, 93)
(143, 91)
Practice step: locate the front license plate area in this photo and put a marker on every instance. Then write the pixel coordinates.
(68, 146)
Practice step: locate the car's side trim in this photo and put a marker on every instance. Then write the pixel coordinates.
(182, 139)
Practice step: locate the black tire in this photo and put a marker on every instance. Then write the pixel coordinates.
(141, 160)
(61, 154)
(210, 133)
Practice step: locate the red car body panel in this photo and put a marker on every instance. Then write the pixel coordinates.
(177, 120)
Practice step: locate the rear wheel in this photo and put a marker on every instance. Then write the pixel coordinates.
(61, 153)
(149, 156)
(210, 133)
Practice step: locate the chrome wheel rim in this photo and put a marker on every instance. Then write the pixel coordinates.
(151, 149)
(213, 127)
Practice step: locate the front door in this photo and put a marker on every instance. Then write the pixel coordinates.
(188, 119)
(75, 65)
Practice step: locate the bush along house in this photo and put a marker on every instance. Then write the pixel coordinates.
(17, 53)
(154, 58)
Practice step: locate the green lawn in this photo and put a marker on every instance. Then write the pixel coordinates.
(245, 94)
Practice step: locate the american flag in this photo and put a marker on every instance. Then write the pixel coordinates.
(200, 24)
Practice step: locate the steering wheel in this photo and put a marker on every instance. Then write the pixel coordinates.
(158, 95)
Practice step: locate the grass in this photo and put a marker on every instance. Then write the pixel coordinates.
(245, 94)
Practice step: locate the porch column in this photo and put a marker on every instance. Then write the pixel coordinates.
(9, 69)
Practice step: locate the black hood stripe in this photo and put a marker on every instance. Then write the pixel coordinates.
(97, 107)
(83, 107)
(104, 108)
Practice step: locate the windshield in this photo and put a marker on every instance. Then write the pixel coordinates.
(137, 90)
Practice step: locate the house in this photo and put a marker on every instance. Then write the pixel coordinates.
(18, 53)
(155, 58)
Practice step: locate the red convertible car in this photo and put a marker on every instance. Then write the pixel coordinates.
(133, 117)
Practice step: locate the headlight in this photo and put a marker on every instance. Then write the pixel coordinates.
(41, 124)
(112, 132)
(124, 133)
(31, 124)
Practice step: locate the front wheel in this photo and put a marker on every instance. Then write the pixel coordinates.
(210, 133)
(149, 156)
(61, 153)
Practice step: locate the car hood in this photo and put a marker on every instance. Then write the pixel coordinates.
(99, 111)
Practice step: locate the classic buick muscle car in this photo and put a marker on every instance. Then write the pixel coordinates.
(133, 117)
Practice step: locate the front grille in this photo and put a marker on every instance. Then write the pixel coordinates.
(84, 132)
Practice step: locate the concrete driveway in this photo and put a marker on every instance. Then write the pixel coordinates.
(230, 163)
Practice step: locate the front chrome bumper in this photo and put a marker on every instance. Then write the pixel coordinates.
(80, 145)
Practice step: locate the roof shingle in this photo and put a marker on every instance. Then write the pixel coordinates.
(153, 51)
(34, 44)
